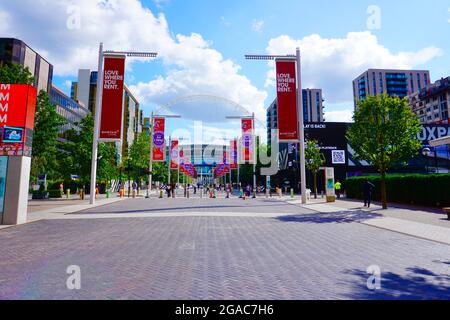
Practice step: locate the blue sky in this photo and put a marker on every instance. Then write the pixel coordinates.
(208, 57)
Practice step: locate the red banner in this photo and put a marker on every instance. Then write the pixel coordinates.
(247, 141)
(287, 101)
(234, 155)
(174, 155)
(159, 143)
(112, 101)
(17, 110)
(226, 162)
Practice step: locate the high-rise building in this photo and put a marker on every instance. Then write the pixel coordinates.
(431, 104)
(394, 83)
(85, 91)
(18, 52)
(312, 110)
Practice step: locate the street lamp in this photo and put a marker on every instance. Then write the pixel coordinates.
(296, 58)
(98, 104)
(426, 153)
(252, 117)
(152, 120)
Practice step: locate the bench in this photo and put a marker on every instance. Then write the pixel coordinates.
(447, 210)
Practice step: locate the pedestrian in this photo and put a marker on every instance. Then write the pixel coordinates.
(368, 189)
(134, 186)
(338, 187)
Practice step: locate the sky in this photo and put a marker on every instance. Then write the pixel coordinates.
(201, 72)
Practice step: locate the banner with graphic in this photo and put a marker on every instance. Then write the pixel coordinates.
(287, 101)
(247, 147)
(219, 171)
(17, 111)
(111, 121)
(234, 155)
(226, 162)
(159, 143)
(174, 155)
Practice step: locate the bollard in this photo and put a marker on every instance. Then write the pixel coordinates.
(214, 194)
(107, 194)
(210, 195)
(201, 193)
(121, 193)
(292, 193)
(243, 196)
(187, 193)
(68, 194)
(161, 194)
(240, 194)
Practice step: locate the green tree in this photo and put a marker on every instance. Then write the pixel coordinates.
(314, 160)
(76, 156)
(45, 137)
(139, 153)
(15, 74)
(384, 134)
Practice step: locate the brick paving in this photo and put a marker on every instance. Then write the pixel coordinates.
(294, 254)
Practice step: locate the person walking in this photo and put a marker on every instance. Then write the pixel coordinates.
(368, 189)
(134, 186)
(338, 188)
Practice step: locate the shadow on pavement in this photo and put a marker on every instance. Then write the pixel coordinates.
(331, 217)
(417, 284)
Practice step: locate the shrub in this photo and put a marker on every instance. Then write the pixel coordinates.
(425, 190)
(55, 194)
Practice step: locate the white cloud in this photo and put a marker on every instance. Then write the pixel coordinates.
(258, 25)
(193, 66)
(339, 116)
(332, 64)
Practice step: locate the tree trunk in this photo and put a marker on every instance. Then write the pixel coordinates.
(315, 185)
(383, 190)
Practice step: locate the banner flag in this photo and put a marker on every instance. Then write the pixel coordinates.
(174, 155)
(234, 155)
(111, 121)
(159, 143)
(287, 101)
(247, 141)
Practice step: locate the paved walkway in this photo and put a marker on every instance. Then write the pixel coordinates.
(218, 249)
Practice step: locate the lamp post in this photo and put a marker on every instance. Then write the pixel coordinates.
(98, 106)
(301, 127)
(426, 153)
(150, 175)
(255, 152)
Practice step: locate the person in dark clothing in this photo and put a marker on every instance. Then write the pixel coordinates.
(368, 189)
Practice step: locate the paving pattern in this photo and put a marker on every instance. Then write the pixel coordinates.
(294, 254)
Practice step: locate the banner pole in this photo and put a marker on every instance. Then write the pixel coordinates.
(170, 156)
(255, 155)
(301, 128)
(98, 106)
(150, 175)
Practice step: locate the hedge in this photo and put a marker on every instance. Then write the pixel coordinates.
(425, 190)
(55, 194)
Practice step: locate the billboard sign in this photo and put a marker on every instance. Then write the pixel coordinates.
(17, 111)
(159, 144)
(287, 100)
(112, 102)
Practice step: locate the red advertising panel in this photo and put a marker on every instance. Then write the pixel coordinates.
(159, 143)
(287, 101)
(234, 155)
(112, 112)
(174, 155)
(17, 109)
(247, 141)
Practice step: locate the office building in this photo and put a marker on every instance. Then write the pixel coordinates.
(431, 103)
(18, 52)
(313, 110)
(394, 83)
(71, 110)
